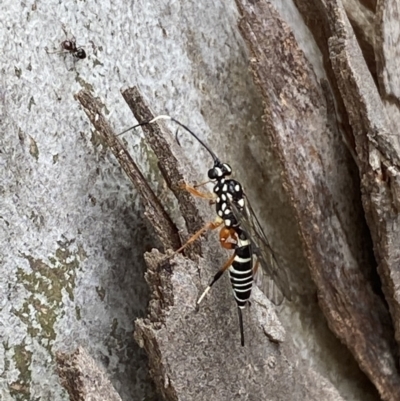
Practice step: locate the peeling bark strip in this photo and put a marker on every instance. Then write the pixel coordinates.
(187, 348)
(375, 125)
(154, 211)
(317, 176)
(83, 379)
(174, 172)
(383, 182)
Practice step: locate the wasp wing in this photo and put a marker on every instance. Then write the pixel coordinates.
(273, 281)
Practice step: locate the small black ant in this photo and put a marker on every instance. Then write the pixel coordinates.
(69, 45)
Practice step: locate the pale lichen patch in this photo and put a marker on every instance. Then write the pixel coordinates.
(20, 388)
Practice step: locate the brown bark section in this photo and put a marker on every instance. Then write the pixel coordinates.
(187, 349)
(382, 179)
(167, 152)
(83, 379)
(196, 355)
(375, 122)
(318, 174)
(154, 211)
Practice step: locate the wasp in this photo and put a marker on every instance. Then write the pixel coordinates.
(240, 231)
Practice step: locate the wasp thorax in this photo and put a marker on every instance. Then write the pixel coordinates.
(219, 170)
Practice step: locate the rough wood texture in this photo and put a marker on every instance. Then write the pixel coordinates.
(186, 348)
(378, 150)
(318, 176)
(197, 355)
(154, 211)
(175, 174)
(72, 229)
(381, 167)
(83, 379)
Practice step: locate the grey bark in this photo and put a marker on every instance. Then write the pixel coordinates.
(83, 379)
(296, 117)
(175, 337)
(310, 131)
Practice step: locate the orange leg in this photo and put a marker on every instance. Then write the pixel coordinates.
(209, 226)
(197, 193)
(202, 183)
(220, 272)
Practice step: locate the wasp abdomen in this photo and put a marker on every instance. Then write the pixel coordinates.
(241, 271)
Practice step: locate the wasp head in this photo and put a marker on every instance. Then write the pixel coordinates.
(220, 170)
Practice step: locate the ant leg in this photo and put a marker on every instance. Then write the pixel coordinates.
(54, 52)
(72, 39)
(215, 279)
(64, 28)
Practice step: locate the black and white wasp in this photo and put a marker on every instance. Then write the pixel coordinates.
(240, 232)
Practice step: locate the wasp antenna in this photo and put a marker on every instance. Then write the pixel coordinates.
(162, 117)
(176, 137)
(166, 117)
(215, 158)
(241, 327)
(128, 129)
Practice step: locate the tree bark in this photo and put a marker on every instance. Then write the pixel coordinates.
(83, 379)
(310, 132)
(309, 146)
